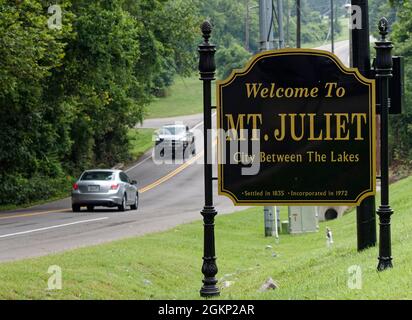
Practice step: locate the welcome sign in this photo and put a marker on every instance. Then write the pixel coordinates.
(296, 127)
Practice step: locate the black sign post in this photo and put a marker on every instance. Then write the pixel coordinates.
(383, 74)
(207, 74)
(296, 128)
(360, 58)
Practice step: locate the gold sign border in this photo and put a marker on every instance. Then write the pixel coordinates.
(372, 128)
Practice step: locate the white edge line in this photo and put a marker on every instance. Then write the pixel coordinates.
(52, 227)
(138, 164)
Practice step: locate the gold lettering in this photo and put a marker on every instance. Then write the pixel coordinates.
(293, 126)
(341, 126)
(255, 117)
(329, 86)
(279, 92)
(314, 92)
(327, 135)
(252, 88)
(280, 134)
(272, 90)
(264, 93)
(359, 117)
(301, 93)
(232, 129)
(312, 128)
(289, 92)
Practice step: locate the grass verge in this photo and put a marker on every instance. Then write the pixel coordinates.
(184, 98)
(343, 35)
(141, 140)
(167, 265)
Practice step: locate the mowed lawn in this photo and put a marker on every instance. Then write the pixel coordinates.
(184, 98)
(167, 265)
(141, 140)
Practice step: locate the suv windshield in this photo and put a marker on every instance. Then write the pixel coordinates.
(98, 175)
(172, 130)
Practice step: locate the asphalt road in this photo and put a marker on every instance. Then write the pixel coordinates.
(170, 194)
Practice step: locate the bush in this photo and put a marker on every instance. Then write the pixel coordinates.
(233, 57)
(18, 190)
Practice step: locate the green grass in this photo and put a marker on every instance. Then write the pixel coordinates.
(184, 98)
(140, 141)
(167, 265)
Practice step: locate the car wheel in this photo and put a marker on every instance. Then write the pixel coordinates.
(135, 205)
(122, 207)
(90, 208)
(75, 208)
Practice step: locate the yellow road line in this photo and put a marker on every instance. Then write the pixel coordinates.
(142, 190)
(33, 214)
(170, 174)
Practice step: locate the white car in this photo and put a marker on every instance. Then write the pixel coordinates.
(175, 140)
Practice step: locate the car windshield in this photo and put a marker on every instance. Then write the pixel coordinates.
(98, 175)
(172, 130)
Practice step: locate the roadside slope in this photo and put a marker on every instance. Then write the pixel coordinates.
(167, 265)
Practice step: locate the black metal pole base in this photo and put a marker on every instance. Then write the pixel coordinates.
(384, 263)
(385, 259)
(209, 288)
(209, 267)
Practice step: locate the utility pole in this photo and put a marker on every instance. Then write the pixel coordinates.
(266, 43)
(280, 24)
(265, 25)
(247, 26)
(287, 23)
(360, 57)
(298, 20)
(332, 27)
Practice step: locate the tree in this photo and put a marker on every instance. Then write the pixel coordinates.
(31, 137)
(401, 125)
(233, 57)
(69, 95)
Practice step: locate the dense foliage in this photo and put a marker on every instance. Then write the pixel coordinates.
(68, 94)
(401, 125)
